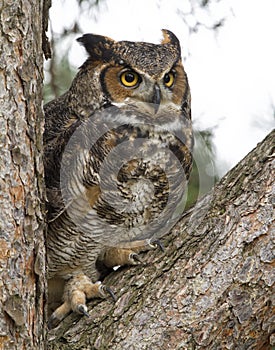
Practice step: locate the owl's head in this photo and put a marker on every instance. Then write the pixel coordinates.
(141, 75)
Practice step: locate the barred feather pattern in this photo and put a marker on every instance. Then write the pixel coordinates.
(117, 156)
(121, 205)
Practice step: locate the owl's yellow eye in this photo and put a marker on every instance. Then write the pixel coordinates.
(130, 79)
(169, 79)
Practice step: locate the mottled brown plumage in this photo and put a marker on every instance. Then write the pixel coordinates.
(117, 158)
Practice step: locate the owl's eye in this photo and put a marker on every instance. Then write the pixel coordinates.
(169, 79)
(130, 79)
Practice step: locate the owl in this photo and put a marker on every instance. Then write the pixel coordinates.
(117, 156)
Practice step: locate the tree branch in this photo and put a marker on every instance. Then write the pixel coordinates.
(212, 288)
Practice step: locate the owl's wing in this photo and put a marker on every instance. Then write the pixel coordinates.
(60, 124)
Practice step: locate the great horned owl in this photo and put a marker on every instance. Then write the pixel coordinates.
(117, 159)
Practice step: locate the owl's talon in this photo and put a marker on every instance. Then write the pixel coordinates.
(52, 322)
(109, 291)
(135, 259)
(58, 315)
(157, 244)
(82, 309)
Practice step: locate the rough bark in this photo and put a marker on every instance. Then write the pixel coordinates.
(212, 288)
(22, 253)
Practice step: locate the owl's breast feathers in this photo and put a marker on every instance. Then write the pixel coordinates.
(125, 179)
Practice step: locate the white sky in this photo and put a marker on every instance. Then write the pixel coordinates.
(232, 73)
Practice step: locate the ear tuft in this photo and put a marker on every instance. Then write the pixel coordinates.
(98, 47)
(170, 38)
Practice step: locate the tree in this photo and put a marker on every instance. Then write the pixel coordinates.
(212, 288)
(22, 253)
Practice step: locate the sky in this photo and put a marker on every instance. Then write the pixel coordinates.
(231, 72)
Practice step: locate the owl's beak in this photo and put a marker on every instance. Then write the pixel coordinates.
(156, 97)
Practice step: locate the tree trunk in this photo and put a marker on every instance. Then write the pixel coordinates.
(212, 288)
(22, 253)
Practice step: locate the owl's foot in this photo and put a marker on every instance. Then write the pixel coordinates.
(128, 255)
(76, 291)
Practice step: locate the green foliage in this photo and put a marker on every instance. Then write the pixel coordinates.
(58, 78)
(204, 173)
